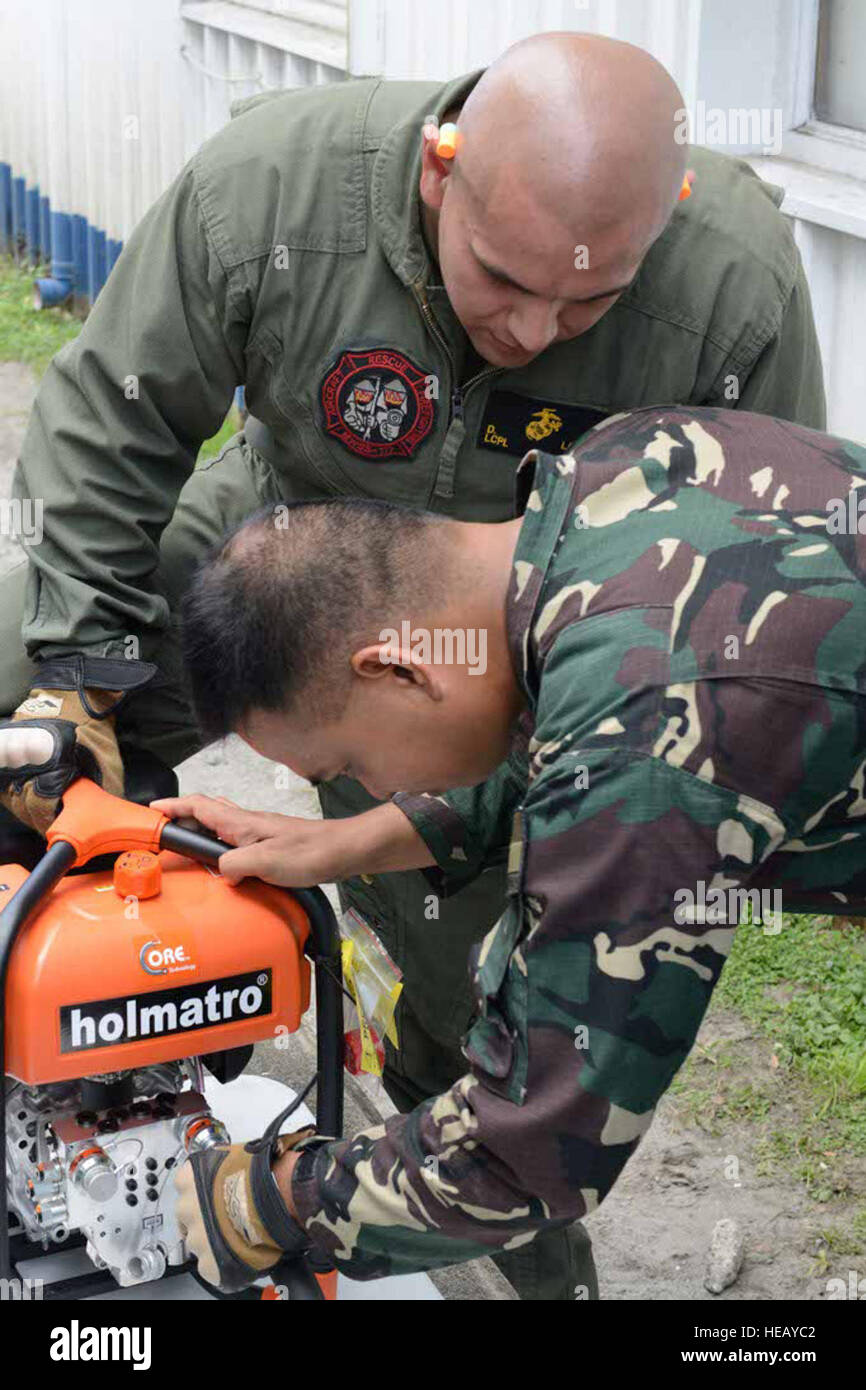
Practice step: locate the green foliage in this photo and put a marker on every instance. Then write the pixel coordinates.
(806, 989)
(230, 426)
(795, 1079)
(29, 335)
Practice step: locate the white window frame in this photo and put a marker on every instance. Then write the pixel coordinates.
(822, 167)
(836, 148)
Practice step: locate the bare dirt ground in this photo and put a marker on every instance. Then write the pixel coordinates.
(696, 1165)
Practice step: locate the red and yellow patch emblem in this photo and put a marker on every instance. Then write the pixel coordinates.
(378, 403)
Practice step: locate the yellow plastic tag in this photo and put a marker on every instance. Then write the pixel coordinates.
(373, 982)
(369, 1059)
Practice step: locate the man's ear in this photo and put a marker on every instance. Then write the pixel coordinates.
(391, 659)
(434, 171)
(375, 661)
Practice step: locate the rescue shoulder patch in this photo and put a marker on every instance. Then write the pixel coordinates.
(378, 404)
(512, 424)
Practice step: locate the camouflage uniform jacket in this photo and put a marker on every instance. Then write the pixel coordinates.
(687, 626)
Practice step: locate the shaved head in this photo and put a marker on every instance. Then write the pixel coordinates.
(567, 169)
(586, 122)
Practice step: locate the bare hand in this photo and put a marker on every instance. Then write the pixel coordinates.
(289, 851)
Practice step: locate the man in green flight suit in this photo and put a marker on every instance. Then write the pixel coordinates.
(405, 325)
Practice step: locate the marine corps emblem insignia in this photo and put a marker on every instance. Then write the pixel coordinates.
(377, 404)
(543, 423)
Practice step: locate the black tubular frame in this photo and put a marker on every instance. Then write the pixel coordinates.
(323, 949)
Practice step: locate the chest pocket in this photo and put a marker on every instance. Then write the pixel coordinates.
(497, 1042)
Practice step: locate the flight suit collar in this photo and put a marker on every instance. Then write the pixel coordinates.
(394, 185)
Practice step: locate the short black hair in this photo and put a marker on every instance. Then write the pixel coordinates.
(274, 612)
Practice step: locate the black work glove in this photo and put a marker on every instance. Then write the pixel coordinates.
(236, 1223)
(63, 730)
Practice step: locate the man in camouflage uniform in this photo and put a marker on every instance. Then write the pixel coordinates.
(681, 583)
(318, 251)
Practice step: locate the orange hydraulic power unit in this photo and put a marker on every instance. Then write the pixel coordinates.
(119, 987)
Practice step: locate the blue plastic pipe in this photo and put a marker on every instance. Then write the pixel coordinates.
(57, 287)
(5, 208)
(31, 227)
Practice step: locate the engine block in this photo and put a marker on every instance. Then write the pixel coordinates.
(107, 1172)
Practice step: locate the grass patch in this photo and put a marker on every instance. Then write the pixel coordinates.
(797, 1081)
(30, 335)
(805, 989)
(231, 424)
(33, 336)
(845, 1240)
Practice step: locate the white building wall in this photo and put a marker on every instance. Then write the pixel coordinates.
(411, 38)
(91, 103)
(836, 270)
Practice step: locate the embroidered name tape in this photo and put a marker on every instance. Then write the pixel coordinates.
(513, 424)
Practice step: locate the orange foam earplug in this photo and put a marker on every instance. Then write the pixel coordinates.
(686, 190)
(447, 145)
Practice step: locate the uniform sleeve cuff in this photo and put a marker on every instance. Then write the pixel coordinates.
(459, 856)
(306, 1196)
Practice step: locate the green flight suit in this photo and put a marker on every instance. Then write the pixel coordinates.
(288, 256)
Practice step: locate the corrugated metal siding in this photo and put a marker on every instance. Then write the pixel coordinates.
(94, 90)
(91, 117)
(411, 38)
(102, 101)
(232, 51)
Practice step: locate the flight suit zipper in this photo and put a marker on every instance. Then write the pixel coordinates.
(443, 485)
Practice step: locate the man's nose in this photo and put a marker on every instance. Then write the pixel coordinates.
(533, 324)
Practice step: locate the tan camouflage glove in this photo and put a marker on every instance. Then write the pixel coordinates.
(63, 730)
(236, 1222)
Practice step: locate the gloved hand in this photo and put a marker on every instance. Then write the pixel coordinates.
(63, 730)
(236, 1222)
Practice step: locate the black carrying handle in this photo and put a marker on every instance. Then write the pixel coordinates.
(323, 948)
